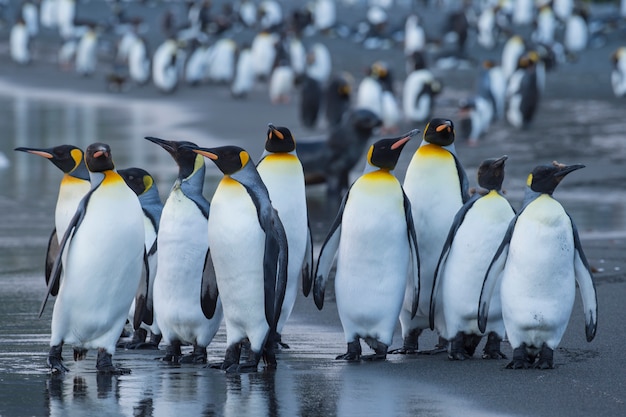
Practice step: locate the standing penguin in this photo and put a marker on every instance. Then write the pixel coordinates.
(183, 260)
(310, 101)
(618, 72)
(142, 183)
(337, 99)
(139, 61)
(282, 173)
(374, 239)
(474, 237)
(419, 91)
(102, 252)
(437, 187)
(74, 185)
(19, 43)
(522, 94)
(165, 66)
(538, 265)
(244, 225)
(244, 74)
(87, 52)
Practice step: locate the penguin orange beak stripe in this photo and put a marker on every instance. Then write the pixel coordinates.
(42, 153)
(275, 131)
(440, 128)
(98, 154)
(208, 154)
(400, 142)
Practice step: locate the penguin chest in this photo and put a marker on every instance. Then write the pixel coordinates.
(539, 273)
(373, 253)
(71, 191)
(237, 245)
(182, 246)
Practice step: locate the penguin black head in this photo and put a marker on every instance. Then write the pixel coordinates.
(491, 173)
(98, 157)
(384, 153)
(279, 139)
(229, 159)
(545, 178)
(439, 132)
(65, 157)
(137, 179)
(188, 162)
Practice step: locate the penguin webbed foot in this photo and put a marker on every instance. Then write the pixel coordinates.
(545, 359)
(80, 354)
(521, 358)
(55, 361)
(172, 353)
(104, 365)
(251, 365)
(409, 344)
(198, 355)
(380, 351)
(353, 354)
(492, 347)
(138, 342)
(231, 357)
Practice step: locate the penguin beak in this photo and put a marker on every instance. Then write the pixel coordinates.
(100, 153)
(165, 144)
(208, 154)
(404, 139)
(275, 131)
(39, 152)
(566, 169)
(498, 162)
(445, 125)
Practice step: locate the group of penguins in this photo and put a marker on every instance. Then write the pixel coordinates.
(424, 252)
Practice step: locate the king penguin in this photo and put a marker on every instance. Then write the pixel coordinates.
(19, 43)
(283, 175)
(437, 187)
(142, 183)
(538, 265)
(74, 185)
(102, 252)
(474, 237)
(183, 260)
(244, 225)
(374, 240)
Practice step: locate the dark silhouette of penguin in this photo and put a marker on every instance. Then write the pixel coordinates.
(310, 101)
(338, 96)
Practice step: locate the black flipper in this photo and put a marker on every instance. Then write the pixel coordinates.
(208, 291)
(586, 286)
(463, 181)
(307, 266)
(51, 255)
(415, 258)
(143, 314)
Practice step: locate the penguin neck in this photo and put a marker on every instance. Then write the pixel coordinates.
(81, 172)
(450, 148)
(369, 168)
(530, 196)
(97, 178)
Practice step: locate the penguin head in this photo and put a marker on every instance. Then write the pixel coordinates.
(439, 132)
(98, 157)
(187, 160)
(384, 153)
(279, 140)
(65, 157)
(545, 178)
(491, 173)
(229, 159)
(137, 179)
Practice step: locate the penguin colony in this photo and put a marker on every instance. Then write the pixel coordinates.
(421, 286)
(464, 266)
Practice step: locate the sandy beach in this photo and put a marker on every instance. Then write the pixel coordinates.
(579, 121)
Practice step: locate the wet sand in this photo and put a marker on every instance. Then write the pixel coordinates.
(579, 121)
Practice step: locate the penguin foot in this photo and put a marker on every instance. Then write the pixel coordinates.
(55, 361)
(521, 359)
(409, 344)
(353, 353)
(492, 347)
(139, 337)
(380, 353)
(172, 353)
(231, 357)
(104, 364)
(193, 358)
(79, 354)
(457, 350)
(248, 366)
(546, 358)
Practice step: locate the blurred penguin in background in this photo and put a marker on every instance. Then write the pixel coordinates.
(87, 52)
(522, 94)
(244, 74)
(338, 97)
(19, 42)
(618, 73)
(492, 86)
(419, 91)
(576, 34)
(414, 35)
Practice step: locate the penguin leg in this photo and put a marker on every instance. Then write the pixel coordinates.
(521, 358)
(269, 351)
(231, 357)
(151, 344)
(546, 358)
(380, 350)
(409, 344)
(457, 350)
(55, 361)
(80, 354)
(197, 356)
(279, 341)
(250, 365)
(353, 353)
(470, 342)
(492, 347)
(173, 353)
(104, 364)
(139, 337)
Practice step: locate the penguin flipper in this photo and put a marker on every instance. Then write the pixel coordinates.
(441, 264)
(79, 215)
(51, 254)
(307, 266)
(327, 256)
(463, 181)
(275, 268)
(143, 313)
(586, 286)
(493, 275)
(208, 289)
(415, 258)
